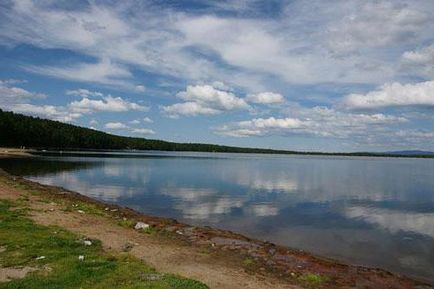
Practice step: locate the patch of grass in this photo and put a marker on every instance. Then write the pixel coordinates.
(85, 207)
(312, 280)
(151, 230)
(249, 262)
(26, 242)
(128, 223)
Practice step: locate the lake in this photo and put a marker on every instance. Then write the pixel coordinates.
(377, 212)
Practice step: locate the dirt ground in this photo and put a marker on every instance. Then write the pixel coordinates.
(217, 258)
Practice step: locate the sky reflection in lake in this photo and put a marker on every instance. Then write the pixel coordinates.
(370, 211)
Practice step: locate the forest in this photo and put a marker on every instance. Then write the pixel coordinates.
(18, 130)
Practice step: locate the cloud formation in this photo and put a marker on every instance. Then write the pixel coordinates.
(205, 99)
(317, 121)
(266, 98)
(393, 95)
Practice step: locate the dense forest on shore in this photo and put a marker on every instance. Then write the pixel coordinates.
(18, 130)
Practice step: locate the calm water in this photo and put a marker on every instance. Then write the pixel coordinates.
(370, 211)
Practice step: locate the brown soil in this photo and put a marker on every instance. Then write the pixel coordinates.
(220, 259)
(8, 274)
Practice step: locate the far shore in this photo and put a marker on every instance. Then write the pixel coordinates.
(218, 258)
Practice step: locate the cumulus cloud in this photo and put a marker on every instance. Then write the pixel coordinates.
(206, 100)
(317, 121)
(143, 131)
(140, 88)
(266, 98)
(135, 121)
(46, 111)
(147, 120)
(419, 62)
(115, 125)
(393, 95)
(108, 103)
(13, 94)
(126, 128)
(19, 100)
(84, 93)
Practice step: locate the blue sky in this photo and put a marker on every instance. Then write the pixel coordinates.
(305, 75)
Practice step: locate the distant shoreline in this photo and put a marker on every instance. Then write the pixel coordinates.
(54, 135)
(18, 152)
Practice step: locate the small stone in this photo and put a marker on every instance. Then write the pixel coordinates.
(81, 258)
(106, 209)
(80, 211)
(127, 247)
(179, 232)
(150, 277)
(87, 243)
(114, 210)
(40, 258)
(141, 226)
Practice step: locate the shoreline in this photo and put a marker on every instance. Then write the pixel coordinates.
(259, 258)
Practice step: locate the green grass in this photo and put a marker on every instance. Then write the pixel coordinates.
(311, 280)
(24, 241)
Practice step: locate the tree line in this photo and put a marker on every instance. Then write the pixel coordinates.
(18, 130)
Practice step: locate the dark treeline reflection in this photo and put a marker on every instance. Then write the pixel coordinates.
(40, 166)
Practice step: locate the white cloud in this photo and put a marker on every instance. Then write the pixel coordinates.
(261, 126)
(12, 94)
(317, 121)
(104, 72)
(143, 131)
(187, 109)
(205, 99)
(46, 111)
(140, 88)
(266, 98)
(343, 44)
(108, 103)
(84, 93)
(393, 94)
(135, 121)
(115, 125)
(147, 120)
(18, 100)
(419, 62)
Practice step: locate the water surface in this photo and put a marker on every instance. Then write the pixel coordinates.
(369, 211)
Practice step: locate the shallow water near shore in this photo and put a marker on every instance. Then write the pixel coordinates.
(376, 212)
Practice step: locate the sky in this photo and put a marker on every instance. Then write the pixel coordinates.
(338, 75)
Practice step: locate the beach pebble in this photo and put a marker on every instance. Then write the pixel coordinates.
(141, 225)
(81, 258)
(87, 243)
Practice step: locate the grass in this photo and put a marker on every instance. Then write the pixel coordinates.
(25, 241)
(311, 280)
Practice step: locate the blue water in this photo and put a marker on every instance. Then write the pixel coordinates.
(369, 211)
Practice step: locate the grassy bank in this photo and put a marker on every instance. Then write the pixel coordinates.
(52, 257)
